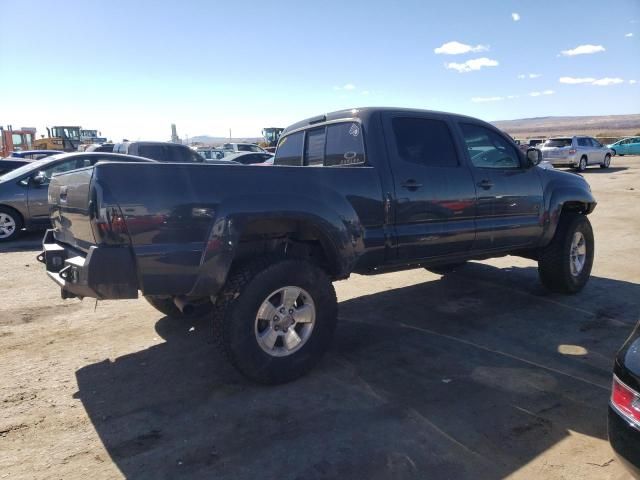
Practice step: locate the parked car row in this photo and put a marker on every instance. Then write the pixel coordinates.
(577, 152)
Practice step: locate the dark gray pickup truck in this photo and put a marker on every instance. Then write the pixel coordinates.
(367, 191)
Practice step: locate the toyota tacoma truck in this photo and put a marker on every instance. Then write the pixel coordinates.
(361, 191)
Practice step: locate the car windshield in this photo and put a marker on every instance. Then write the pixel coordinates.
(29, 167)
(558, 142)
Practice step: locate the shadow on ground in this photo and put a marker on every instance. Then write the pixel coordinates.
(469, 376)
(26, 242)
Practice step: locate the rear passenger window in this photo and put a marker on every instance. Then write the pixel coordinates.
(289, 150)
(344, 144)
(584, 142)
(314, 147)
(425, 141)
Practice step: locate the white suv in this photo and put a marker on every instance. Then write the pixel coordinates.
(577, 152)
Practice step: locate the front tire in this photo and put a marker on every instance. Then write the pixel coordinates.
(607, 161)
(613, 152)
(10, 224)
(564, 266)
(274, 321)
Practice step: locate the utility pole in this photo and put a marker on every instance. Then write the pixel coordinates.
(229, 134)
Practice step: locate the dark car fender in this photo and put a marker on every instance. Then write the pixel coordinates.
(333, 220)
(563, 190)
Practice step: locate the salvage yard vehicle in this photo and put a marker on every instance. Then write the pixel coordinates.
(160, 151)
(23, 191)
(576, 152)
(9, 164)
(624, 407)
(626, 146)
(34, 154)
(249, 158)
(243, 147)
(258, 248)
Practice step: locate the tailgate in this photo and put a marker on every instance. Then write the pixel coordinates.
(70, 208)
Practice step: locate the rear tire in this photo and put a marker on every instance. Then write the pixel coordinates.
(559, 265)
(582, 165)
(166, 306)
(607, 161)
(10, 224)
(257, 290)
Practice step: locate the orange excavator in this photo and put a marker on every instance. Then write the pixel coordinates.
(16, 140)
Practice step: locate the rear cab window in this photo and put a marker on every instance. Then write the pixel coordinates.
(335, 144)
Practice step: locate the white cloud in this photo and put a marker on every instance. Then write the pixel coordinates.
(486, 99)
(545, 92)
(515, 16)
(510, 97)
(365, 92)
(471, 65)
(632, 82)
(457, 48)
(603, 82)
(521, 76)
(628, 35)
(529, 75)
(583, 50)
(575, 81)
(346, 86)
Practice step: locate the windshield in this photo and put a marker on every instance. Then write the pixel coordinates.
(558, 142)
(68, 132)
(29, 167)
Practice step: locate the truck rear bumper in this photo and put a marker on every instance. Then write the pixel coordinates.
(102, 273)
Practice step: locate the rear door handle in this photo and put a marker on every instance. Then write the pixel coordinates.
(486, 184)
(411, 184)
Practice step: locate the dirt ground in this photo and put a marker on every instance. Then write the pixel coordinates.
(478, 374)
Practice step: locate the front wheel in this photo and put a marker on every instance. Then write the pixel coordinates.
(607, 161)
(613, 152)
(565, 264)
(274, 320)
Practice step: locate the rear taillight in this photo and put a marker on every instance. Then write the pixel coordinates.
(572, 151)
(110, 226)
(626, 401)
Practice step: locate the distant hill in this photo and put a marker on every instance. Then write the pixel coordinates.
(602, 126)
(208, 140)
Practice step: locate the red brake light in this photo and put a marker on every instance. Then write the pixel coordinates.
(626, 401)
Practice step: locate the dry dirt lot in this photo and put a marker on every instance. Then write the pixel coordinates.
(479, 374)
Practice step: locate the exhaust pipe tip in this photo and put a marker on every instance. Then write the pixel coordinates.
(186, 308)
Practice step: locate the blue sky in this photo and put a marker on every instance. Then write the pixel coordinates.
(130, 68)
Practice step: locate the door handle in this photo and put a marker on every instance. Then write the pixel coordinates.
(411, 184)
(486, 184)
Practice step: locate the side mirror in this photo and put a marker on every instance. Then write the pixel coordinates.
(39, 179)
(534, 156)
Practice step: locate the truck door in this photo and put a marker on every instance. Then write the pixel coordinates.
(435, 196)
(510, 201)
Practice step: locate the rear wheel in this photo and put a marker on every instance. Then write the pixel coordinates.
(274, 321)
(166, 306)
(10, 224)
(582, 165)
(565, 264)
(607, 161)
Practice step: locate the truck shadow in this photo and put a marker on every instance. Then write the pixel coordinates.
(472, 375)
(26, 242)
